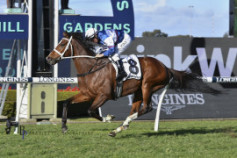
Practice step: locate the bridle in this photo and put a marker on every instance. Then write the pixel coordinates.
(69, 46)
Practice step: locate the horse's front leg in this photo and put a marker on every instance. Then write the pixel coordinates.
(98, 102)
(75, 99)
(64, 116)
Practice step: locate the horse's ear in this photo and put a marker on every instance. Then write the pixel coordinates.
(65, 34)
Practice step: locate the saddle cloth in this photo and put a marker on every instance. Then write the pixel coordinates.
(131, 66)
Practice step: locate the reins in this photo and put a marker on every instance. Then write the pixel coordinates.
(69, 44)
(90, 71)
(67, 47)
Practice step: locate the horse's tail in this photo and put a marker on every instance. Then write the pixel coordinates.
(183, 80)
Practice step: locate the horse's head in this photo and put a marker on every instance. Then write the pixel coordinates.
(62, 50)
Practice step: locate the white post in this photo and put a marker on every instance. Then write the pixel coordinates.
(156, 126)
(30, 32)
(29, 62)
(56, 32)
(18, 85)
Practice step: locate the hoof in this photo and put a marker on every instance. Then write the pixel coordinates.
(8, 130)
(112, 134)
(111, 117)
(125, 127)
(108, 118)
(64, 130)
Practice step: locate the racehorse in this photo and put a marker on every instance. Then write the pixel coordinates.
(97, 79)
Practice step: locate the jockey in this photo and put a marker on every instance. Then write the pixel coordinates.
(117, 41)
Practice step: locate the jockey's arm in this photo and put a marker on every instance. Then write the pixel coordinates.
(111, 46)
(98, 49)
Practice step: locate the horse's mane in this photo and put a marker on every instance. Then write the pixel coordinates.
(89, 46)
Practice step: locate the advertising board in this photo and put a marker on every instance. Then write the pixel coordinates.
(11, 27)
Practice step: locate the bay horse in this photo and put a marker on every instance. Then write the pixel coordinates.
(97, 80)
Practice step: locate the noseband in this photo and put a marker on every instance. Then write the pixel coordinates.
(69, 44)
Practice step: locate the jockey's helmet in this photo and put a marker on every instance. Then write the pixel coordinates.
(90, 33)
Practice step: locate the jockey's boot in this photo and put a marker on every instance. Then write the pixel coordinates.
(121, 72)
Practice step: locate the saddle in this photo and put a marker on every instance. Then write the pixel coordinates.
(131, 66)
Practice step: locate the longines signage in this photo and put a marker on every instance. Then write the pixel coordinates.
(174, 101)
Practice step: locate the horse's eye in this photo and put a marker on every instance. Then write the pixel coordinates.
(62, 44)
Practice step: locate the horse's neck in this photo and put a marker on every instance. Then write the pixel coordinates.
(84, 64)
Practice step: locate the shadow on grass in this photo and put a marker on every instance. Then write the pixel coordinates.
(228, 130)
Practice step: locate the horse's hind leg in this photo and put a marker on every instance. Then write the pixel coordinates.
(147, 105)
(144, 96)
(137, 100)
(147, 92)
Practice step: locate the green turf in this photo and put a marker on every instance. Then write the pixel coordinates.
(204, 139)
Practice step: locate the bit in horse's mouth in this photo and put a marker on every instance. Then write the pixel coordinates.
(52, 61)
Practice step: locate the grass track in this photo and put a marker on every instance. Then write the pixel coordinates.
(217, 139)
